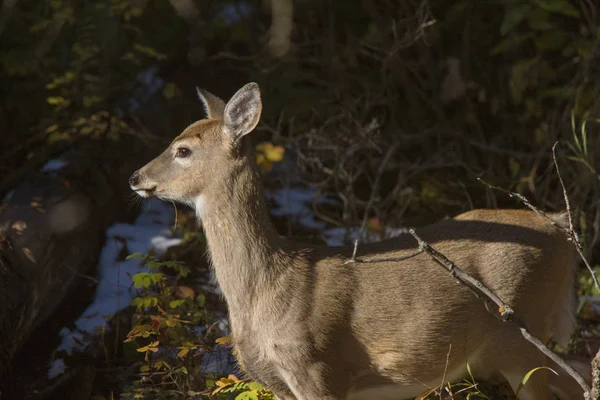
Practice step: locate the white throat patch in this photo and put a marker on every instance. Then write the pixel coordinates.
(200, 205)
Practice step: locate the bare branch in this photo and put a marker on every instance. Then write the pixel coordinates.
(375, 188)
(562, 184)
(572, 236)
(506, 312)
(379, 260)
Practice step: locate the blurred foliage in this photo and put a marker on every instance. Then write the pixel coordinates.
(177, 335)
(65, 64)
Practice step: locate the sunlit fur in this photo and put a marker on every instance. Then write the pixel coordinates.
(312, 327)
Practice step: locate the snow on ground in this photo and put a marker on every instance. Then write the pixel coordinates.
(151, 230)
(295, 203)
(54, 165)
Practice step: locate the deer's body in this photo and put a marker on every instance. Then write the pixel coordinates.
(311, 326)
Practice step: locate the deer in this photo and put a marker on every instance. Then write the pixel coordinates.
(310, 325)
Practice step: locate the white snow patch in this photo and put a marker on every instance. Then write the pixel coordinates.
(115, 290)
(234, 13)
(338, 236)
(54, 165)
(295, 203)
(56, 368)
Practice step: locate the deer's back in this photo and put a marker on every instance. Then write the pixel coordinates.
(405, 315)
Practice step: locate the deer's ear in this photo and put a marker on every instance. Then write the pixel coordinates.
(242, 112)
(213, 106)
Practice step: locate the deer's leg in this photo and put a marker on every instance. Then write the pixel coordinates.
(307, 382)
(518, 357)
(563, 385)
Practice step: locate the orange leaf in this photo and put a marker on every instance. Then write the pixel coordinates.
(183, 292)
(374, 224)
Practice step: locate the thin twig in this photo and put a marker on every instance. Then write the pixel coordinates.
(525, 201)
(572, 234)
(569, 232)
(375, 188)
(506, 312)
(379, 260)
(445, 371)
(562, 184)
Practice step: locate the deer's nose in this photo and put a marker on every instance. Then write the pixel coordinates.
(134, 179)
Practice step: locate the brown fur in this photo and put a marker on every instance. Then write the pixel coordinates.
(311, 327)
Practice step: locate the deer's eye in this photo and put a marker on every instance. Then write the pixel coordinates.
(183, 152)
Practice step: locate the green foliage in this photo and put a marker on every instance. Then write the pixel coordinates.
(233, 388)
(546, 74)
(469, 388)
(169, 314)
(72, 65)
(528, 376)
(579, 146)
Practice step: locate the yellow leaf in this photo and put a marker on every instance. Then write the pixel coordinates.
(222, 384)
(233, 377)
(171, 322)
(151, 347)
(183, 352)
(19, 226)
(271, 152)
(275, 153)
(29, 254)
(169, 90)
(223, 340)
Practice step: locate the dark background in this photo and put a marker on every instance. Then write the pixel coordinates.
(459, 90)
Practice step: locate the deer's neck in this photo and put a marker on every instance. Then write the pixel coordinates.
(244, 247)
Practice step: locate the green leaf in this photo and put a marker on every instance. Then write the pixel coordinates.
(539, 20)
(247, 396)
(134, 256)
(520, 78)
(528, 376)
(550, 40)
(510, 43)
(169, 91)
(563, 7)
(255, 386)
(56, 100)
(513, 17)
(137, 302)
(137, 280)
(149, 52)
(176, 303)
